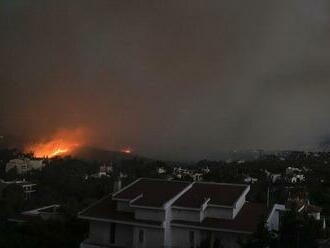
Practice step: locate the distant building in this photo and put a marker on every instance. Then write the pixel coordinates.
(275, 177)
(106, 168)
(292, 170)
(206, 170)
(28, 187)
(54, 212)
(104, 171)
(153, 213)
(297, 178)
(197, 176)
(301, 205)
(51, 212)
(23, 165)
(251, 180)
(161, 170)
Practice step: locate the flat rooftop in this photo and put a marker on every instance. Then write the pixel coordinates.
(106, 210)
(151, 192)
(246, 221)
(218, 193)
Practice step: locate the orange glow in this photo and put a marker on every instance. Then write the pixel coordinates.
(61, 143)
(126, 150)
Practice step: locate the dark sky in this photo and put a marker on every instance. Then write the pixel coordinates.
(172, 79)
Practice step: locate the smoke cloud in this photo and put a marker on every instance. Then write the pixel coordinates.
(172, 79)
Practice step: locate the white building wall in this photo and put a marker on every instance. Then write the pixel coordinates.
(315, 215)
(20, 164)
(149, 214)
(273, 220)
(153, 237)
(187, 215)
(181, 237)
(219, 212)
(36, 164)
(167, 227)
(24, 165)
(239, 205)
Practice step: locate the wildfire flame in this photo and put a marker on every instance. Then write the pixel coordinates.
(60, 144)
(126, 150)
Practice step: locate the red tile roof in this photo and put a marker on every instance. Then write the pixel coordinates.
(154, 192)
(219, 194)
(246, 221)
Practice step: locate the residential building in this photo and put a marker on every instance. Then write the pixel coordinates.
(275, 177)
(197, 176)
(51, 212)
(292, 170)
(273, 220)
(151, 213)
(251, 180)
(28, 187)
(23, 165)
(298, 203)
(161, 170)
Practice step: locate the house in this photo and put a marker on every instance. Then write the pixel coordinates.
(104, 171)
(151, 213)
(28, 187)
(197, 176)
(275, 177)
(51, 212)
(24, 165)
(292, 170)
(273, 220)
(249, 179)
(206, 170)
(297, 178)
(300, 204)
(161, 170)
(107, 169)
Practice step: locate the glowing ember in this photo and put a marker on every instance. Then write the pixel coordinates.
(60, 144)
(126, 150)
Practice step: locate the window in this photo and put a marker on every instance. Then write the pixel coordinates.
(141, 236)
(192, 239)
(112, 233)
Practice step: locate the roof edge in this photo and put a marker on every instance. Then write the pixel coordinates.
(84, 217)
(211, 228)
(126, 187)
